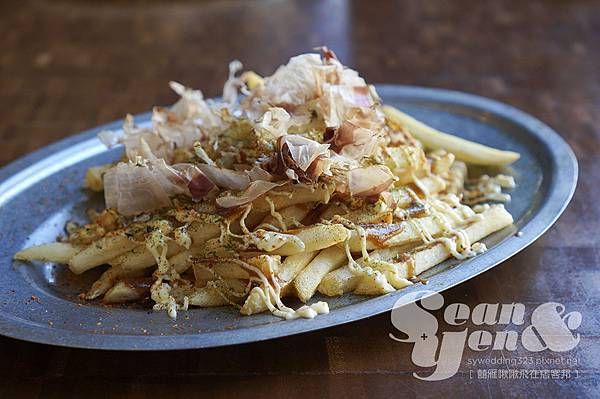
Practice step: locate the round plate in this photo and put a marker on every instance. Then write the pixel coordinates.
(40, 192)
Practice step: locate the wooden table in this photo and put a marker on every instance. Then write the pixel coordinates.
(68, 65)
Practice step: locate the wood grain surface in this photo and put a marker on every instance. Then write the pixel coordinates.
(69, 65)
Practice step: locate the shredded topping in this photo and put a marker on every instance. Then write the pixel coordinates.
(220, 174)
(254, 190)
(369, 181)
(142, 186)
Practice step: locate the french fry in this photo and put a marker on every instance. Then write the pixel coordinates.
(433, 184)
(206, 297)
(290, 217)
(404, 198)
(403, 160)
(422, 259)
(141, 258)
(441, 162)
(252, 220)
(252, 79)
(101, 252)
(183, 260)
(298, 195)
(202, 232)
(398, 234)
(315, 237)
(374, 283)
(224, 270)
(308, 279)
(339, 281)
(128, 291)
(121, 293)
(254, 303)
(106, 281)
(370, 214)
(464, 150)
(180, 262)
(427, 185)
(333, 209)
(427, 256)
(290, 267)
(58, 252)
(456, 177)
(267, 264)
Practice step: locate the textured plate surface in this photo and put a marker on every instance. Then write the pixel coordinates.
(39, 193)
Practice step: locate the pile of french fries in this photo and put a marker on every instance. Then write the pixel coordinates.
(293, 241)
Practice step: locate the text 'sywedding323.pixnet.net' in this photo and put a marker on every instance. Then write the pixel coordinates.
(548, 328)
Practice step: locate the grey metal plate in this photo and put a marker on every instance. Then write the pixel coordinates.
(40, 192)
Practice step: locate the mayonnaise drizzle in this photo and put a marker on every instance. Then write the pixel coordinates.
(160, 292)
(269, 292)
(276, 214)
(488, 188)
(243, 219)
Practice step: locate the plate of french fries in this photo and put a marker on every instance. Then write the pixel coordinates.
(297, 201)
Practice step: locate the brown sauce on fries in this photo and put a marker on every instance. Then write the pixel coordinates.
(379, 233)
(410, 267)
(416, 210)
(410, 264)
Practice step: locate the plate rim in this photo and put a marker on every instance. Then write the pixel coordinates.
(560, 192)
